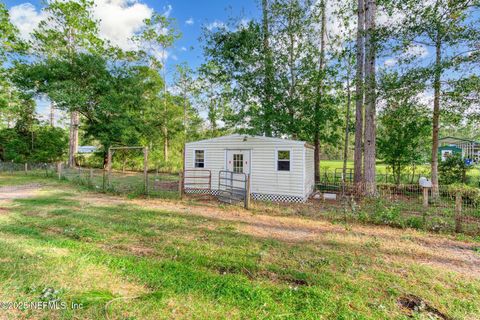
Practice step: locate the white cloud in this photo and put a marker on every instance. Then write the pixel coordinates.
(183, 49)
(118, 19)
(243, 23)
(26, 18)
(216, 25)
(420, 51)
(167, 10)
(390, 62)
(190, 21)
(159, 54)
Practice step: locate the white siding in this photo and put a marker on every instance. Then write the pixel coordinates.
(264, 175)
(309, 171)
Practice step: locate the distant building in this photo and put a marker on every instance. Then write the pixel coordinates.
(86, 149)
(469, 149)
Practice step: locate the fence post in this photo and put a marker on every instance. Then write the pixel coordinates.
(458, 212)
(180, 185)
(109, 167)
(59, 170)
(145, 168)
(425, 197)
(247, 193)
(91, 176)
(26, 168)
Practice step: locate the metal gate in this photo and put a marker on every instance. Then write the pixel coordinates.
(234, 187)
(197, 182)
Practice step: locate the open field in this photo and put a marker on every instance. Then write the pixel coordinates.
(155, 259)
(381, 168)
(331, 165)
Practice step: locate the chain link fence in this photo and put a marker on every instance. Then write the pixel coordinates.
(158, 184)
(452, 209)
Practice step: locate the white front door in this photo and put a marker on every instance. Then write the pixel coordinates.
(238, 161)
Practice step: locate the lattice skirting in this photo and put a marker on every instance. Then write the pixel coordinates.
(276, 197)
(213, 192)
(254, 196)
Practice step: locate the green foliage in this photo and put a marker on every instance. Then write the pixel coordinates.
(453, 170)
(270, 80)
(50, 144)
(470, 195)
(68, 29)
(402, 137)
(38, 145)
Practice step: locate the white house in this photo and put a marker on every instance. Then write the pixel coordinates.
(279, 169)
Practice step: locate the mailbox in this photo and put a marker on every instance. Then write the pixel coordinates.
(424, 182)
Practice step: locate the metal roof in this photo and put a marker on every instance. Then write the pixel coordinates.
(450, 139)
(280, 140)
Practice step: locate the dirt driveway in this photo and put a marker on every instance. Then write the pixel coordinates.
(395, 245)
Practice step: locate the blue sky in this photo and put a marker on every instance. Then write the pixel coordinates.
(121, 18)
(190, 16)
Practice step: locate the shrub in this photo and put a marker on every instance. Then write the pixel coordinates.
(414, 223)
(453, 170)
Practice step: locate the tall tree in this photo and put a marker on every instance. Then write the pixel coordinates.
(369, 162)
(359, 97)
(267, 100)
(188, 89)
(68, 29)
(320, 87)
(10, 45)
(157, 36)
(450, 28)
(404, 124)
(214, 96)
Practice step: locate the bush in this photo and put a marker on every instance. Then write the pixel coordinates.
(453, 170)
(470, 195)
(414, 223)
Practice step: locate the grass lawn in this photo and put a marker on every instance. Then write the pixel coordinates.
(166, 259)
(331, 165)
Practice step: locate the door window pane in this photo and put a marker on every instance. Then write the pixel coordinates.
(238, 163)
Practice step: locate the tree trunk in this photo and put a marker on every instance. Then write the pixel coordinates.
(73, 138)
(293, 82)
(436, 115)
(347, 129)
(370, 100)
(52, 115)
(268, 65)
(316, 158)
(165, 124)
(321, 67)
(165, 147)
(358, 153)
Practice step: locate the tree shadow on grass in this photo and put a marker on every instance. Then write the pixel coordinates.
(219, 264)
(208, 257)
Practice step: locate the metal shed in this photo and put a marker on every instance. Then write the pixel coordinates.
(279, 169)
(469, 149)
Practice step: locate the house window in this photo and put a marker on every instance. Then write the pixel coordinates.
(238, 163)
(199, 158)
(283, 160)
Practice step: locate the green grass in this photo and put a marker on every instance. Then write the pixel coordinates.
(331, 165)
(19, 179)
(130, 262)
(381, 167)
